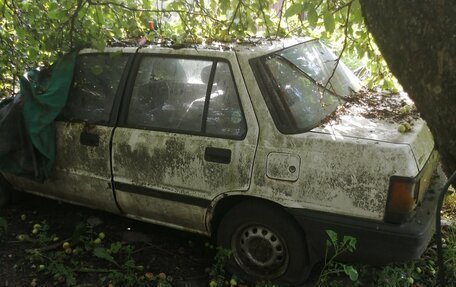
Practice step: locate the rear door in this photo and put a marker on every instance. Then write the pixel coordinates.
(187, 134)
(82, 172)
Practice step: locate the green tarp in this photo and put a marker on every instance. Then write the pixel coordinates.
(27, 131)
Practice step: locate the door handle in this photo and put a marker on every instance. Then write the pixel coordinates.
(219, 155)
(89, 139)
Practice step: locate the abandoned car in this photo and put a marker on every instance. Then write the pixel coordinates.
(242, 144)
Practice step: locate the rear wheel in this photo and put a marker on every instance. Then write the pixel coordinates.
(267, 244)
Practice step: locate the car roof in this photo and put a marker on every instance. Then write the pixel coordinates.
(250, 49)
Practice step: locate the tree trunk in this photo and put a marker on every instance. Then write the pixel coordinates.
(418, 41)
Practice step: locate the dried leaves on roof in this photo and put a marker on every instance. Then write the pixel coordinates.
(394, 108)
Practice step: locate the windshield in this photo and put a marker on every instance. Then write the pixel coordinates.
(302, 97)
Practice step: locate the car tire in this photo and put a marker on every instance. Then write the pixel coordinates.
(5, 193)
(266, 244)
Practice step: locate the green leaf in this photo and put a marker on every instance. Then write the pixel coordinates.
(351, 272)
(22, 33)
(56, 14)
(356, 10)
(332, 236)
(350, 242)
(330, 23)
(224, 5)
(102, 253)
(293, 10)
(98, 44)
(115, 247)
(150, 36)
(312, 17)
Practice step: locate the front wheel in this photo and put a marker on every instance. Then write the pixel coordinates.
(267, 244)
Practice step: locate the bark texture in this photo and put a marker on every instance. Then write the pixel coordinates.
(418, 40)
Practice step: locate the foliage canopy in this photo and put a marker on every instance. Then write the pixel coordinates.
(34, 33)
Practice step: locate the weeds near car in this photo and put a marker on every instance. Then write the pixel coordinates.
(217, 271)
(418, 273)
(334, 248)
(64, 260)
(218, 274)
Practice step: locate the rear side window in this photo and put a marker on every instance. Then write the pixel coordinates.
(95, 85)
(196, 96)
(304, 99)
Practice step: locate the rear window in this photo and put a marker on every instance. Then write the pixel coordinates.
(301, 85)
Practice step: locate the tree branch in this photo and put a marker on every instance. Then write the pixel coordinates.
(234, 15)
(344, 46)
(73, 18)
(280, 17)
(343, 6)
(264, 18)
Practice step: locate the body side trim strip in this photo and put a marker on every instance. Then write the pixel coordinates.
(131, 188)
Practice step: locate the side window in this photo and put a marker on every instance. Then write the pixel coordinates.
(95, 85)
(172, 94)
(225, 116)
(169, 93)
(300, 96)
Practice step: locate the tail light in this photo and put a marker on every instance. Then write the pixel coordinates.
(406, 192)
(402, 198)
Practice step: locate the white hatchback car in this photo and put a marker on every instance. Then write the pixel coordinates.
(236, 143)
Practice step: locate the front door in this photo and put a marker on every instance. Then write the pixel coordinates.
(183, 138)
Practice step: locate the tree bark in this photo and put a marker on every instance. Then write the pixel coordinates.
(418, 41)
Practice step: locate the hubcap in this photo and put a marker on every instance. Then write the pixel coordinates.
(259, 251)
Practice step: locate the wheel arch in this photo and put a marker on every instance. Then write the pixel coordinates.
(221, 207)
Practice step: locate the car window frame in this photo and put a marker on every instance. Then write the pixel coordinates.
(114, 113)
(126, 99)
(282, 120)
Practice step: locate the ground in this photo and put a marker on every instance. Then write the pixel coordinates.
(183, 257)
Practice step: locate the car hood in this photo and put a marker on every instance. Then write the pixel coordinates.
(419, 138)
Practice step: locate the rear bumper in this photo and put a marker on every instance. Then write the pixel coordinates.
(377, 242)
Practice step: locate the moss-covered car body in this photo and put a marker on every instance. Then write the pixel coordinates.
(181, 137)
